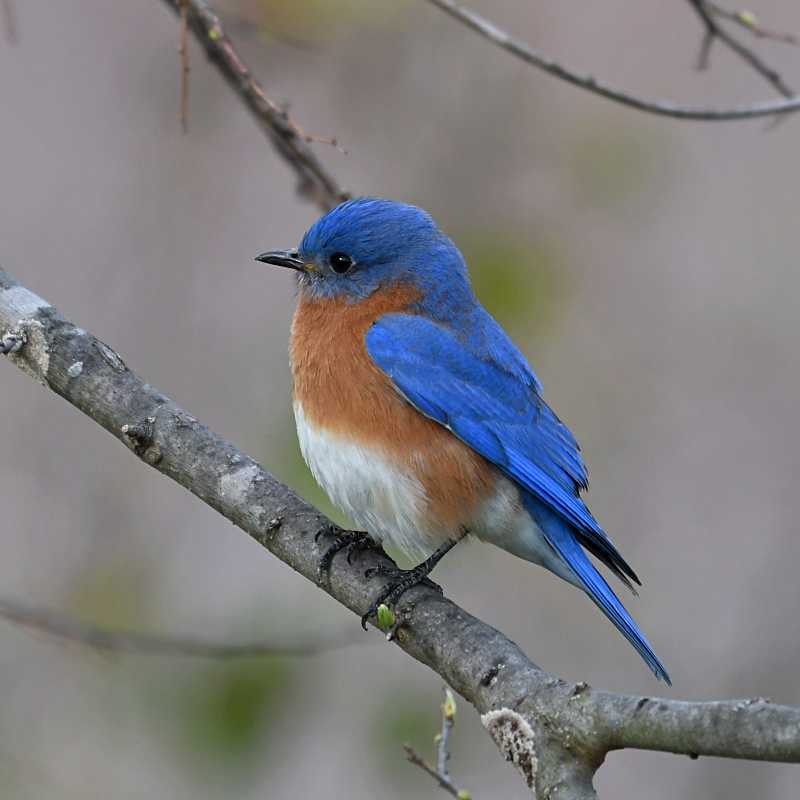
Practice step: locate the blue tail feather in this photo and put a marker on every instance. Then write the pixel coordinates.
(564, 542)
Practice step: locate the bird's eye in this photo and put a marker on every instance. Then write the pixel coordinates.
(340, 263)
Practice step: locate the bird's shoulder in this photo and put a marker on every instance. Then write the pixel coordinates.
(466, 339)
(472, 380)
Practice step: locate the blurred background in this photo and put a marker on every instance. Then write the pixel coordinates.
(647, 267)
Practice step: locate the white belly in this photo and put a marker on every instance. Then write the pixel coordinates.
(390, 503)
(379, 496)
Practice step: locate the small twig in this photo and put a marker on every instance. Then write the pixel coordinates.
(749, 21)
(65, 627)
(440, 773)
(183, 50)
(289, 139)
(704, 54)
(664, 108)
(448, 720)
(714, 31)
(10, 22)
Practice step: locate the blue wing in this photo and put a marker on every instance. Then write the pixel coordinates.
(492, 402)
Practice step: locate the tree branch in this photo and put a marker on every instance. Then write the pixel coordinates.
(748, 21)
(292, 143)
(556, 733)
(67, 628)
(9, 13)
(713, 30)
(183, 53)
(440, 773)
(665, 108)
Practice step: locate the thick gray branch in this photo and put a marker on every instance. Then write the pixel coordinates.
(752, 728)
(556, 733)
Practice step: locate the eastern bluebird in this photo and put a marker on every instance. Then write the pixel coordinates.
(420, 418)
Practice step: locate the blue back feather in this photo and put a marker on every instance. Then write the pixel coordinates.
(495, 407)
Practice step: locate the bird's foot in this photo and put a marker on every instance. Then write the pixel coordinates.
(402, 580)
(352, 541)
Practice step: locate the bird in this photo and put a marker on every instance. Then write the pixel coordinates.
(421, 419)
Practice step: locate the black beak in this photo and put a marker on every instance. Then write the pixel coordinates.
(283, 258)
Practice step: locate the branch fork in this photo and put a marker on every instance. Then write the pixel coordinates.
(440, 773)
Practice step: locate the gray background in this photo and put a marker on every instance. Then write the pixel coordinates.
(647, 268)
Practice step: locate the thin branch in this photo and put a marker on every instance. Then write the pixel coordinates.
(448, 721)
(9, 12)
(97, 637)
(556, 733)
(664, 108)
(714, 31)
(444, 782)
(289, 139)
(749, 21)
(440, 772)
(183, 51)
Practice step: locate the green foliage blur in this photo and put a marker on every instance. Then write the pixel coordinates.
(413, 721)
(521, 282)
(305, 22)
(227, 710)
(220, 717)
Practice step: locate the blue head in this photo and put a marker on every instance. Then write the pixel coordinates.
(365, 244)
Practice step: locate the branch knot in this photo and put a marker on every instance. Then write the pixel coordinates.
(140, 436)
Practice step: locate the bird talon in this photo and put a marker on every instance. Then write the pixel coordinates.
(402, 580)
(382, 570)
(326, 531)
(350, 540)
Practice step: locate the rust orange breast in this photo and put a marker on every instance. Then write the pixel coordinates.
(343, 392)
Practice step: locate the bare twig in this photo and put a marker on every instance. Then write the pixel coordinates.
(65, 627)
(183, 50)
(448, 720)
(289, 139)
(713, 31)
(749, 21)
(10, 21)
(556, 732)
(440, 773)
(665, 108)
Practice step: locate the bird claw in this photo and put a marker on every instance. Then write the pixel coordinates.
(350, 540)
(328, 530)
(384, 569)
(402, 581)
(405, 579)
